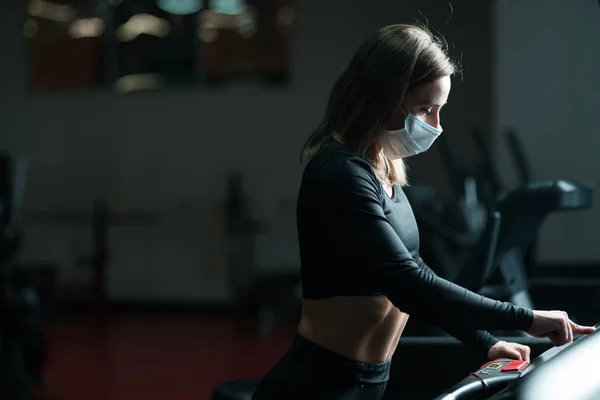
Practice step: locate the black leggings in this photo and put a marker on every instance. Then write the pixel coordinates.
(308, 371)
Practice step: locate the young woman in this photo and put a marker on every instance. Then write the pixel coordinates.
(359, 244)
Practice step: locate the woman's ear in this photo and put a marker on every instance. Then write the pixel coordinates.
(397, 120)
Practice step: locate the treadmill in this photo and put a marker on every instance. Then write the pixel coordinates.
(565, 372)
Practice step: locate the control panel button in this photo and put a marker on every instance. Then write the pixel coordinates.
(515, 366)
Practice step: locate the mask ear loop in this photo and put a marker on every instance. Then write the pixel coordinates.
(404, 114)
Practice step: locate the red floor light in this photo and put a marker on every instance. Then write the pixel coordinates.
(154, 357)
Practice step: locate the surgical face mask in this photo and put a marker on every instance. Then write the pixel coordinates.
(416, 137)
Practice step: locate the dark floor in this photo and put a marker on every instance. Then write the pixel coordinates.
(175, 357)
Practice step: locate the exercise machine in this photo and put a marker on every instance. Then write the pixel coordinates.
(496, 267)
(523, 209)
(558, 373)
(22, 347)
(567, 374)
(100, 218)
(450, 227)
(473, 274)
(499, 273)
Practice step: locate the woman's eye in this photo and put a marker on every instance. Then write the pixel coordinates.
(426, 111)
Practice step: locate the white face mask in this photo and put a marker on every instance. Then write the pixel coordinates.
(416, 137)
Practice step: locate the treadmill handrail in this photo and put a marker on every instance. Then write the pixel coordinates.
(575, 364)
(479, 267)
(517, 152)
(546, 370)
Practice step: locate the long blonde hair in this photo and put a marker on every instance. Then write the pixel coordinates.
(369, 91)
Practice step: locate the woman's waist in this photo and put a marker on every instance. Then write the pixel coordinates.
(354, 332)
(324, 360)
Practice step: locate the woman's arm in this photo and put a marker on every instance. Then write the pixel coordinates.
(358, 226)
(479, 341)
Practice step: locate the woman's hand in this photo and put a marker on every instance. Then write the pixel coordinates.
(513, 351)
(557, 326)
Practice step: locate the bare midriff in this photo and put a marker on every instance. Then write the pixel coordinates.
(365, 328)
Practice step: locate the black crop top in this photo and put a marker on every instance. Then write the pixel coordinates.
(356, 241)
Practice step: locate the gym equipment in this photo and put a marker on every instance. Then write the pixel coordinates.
(523, 212)
(268, 294)
(497, 265)
(27, 290)
(545, 378)
(5, 192)
(450, 228)
(489, 181)
(241, 229)
(501, 274)
(568, 288)
(490, 376)
(518, 155)
(417, 354)
(492, 186)
(101, 218)
(445, 244)
(465, 187)
(473, 274)
(22, 349)
(561, 376)
(13, 177)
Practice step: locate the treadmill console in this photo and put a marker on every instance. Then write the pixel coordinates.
(497, 378)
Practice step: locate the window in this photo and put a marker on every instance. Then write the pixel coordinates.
(135, 45)
(64, 45)
(228, 7)
(155, 44)
(180, 7)
(242, 40)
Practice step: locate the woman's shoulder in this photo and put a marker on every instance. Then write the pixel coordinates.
(333, 166)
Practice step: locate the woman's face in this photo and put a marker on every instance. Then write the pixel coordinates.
(424, 102)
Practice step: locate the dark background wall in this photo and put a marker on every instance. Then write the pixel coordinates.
(169, 152)
(546, 84)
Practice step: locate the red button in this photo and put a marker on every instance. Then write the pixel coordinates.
(515, 366)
